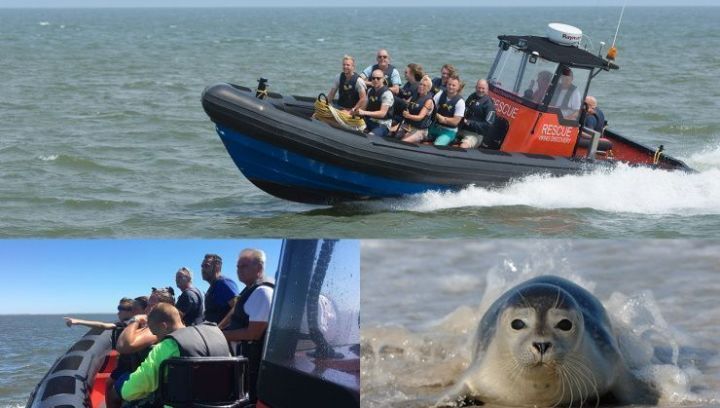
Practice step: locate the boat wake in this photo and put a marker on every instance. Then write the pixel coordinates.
(622, 190)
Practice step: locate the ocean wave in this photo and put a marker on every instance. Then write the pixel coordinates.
(621, 190)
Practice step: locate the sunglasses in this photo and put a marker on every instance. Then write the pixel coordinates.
(124, 309)
(377, 78)
(382, 56)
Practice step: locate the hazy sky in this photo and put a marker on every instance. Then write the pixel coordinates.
(335, 3)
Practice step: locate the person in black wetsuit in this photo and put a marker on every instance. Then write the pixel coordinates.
(247, 322)
(479, 116)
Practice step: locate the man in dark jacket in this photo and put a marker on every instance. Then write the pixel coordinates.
(594, 119)
(479, 116)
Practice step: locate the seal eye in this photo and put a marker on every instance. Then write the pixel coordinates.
(564, 325)
(517, 324)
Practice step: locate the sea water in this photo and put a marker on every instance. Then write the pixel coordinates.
(102, 132)
(422, 301)
(29, 345)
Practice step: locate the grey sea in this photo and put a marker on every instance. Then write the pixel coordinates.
(29, 345)
(422, 301)
(102, 132)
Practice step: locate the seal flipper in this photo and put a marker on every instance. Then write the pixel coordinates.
(630, 390)
(461, 395)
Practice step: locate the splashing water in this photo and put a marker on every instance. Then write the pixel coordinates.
(623, 189)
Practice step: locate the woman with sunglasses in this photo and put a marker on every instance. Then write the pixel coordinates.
(378, 112)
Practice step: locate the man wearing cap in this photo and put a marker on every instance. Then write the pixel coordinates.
(567, 97)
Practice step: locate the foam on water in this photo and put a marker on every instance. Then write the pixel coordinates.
(621, 190)
(411, 368)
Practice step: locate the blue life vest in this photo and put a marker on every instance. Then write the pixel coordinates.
(414, 108)
(447, 107)
(375, 102)
(387, 72)
(348, 96)
(437, 86)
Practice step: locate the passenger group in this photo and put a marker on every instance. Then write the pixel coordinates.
(152, 329)
(423, 109)
(433, 110)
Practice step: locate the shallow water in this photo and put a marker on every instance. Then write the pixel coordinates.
(422, 300)
(103, 133)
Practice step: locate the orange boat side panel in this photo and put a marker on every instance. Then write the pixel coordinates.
(531, 131)
(97, 393)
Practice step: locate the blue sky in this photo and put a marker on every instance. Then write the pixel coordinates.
(335, 3)
(84, 276)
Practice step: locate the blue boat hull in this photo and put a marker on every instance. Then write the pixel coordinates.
(293, 176)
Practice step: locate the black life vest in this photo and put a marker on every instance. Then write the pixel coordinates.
(348, 96)
(415, 106)
(447, 107)
(240, 319)
(202, 340)
(437, 86)
(387, 72)
(408, 91)
(375, 102)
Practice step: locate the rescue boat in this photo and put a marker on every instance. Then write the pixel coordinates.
(306, 363)
(281, 149)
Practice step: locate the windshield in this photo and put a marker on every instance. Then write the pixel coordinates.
(315, 325)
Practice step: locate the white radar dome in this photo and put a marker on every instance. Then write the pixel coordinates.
(564, 34)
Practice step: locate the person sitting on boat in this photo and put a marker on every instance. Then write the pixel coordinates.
(418, 115)
(351, 89)
(567, 96)
(595, 118)
(536, 94)
(220, 296)
(479, 116)
(413, 74)
(124, 313)
(247, 322)
(134, 343)
(450, 110)
(390, 73)
(378, 112)
(440, 83)
(174, 340)
(190, 301)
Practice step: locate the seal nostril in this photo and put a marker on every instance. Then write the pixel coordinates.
(542, 347)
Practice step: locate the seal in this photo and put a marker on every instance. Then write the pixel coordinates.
(547, 342)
